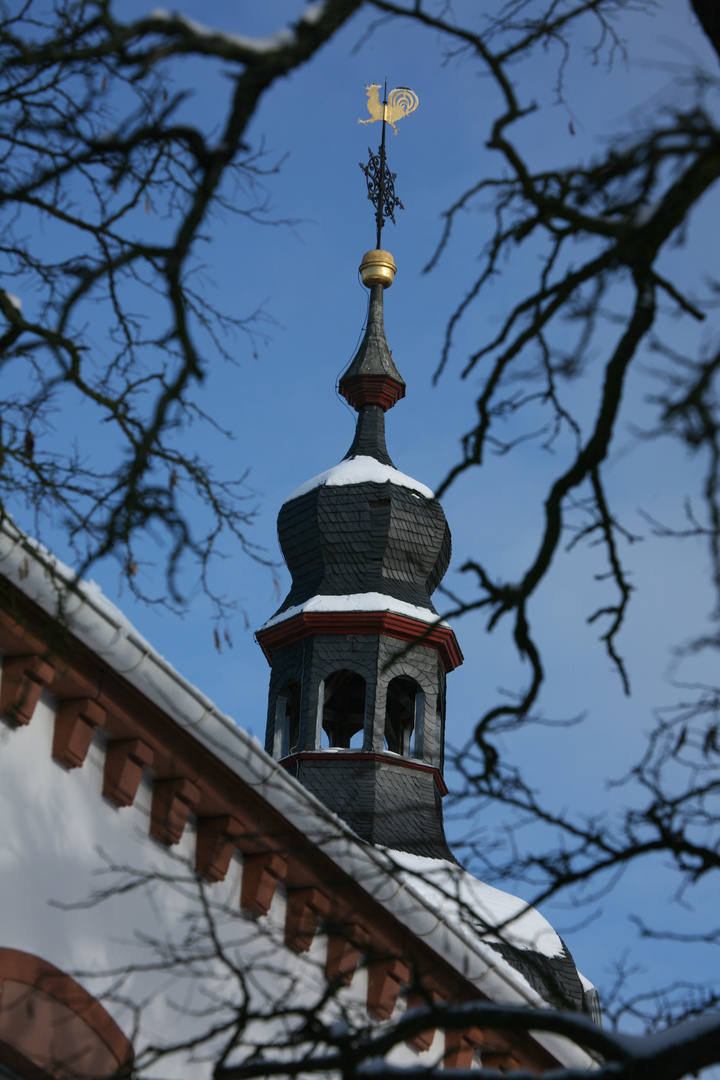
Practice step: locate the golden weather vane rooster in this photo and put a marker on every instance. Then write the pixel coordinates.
(380, 181)
(400, 102)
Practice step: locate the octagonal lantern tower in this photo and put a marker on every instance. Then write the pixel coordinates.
(358, 653)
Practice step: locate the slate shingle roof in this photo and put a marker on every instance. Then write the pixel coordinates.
(374, 356)
(555, 978)
(360, 538)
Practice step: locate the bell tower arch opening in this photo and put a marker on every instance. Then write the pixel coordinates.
(343, 709)
(404, 709)
(287, 720)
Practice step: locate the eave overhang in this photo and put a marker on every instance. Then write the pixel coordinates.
(401, 627)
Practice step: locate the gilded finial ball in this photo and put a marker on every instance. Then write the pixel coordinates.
(377, 268)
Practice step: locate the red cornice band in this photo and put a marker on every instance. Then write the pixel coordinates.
(379, 390)
(401, 627)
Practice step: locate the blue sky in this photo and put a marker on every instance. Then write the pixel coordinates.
(288, 424)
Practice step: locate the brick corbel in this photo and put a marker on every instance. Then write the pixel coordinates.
(217, 839)
(345, 946)
(125, 761)
(305, 908)
(385, 977)
(172, 801)
(416, 999)
(260, 876)
(23, 680)
(460, 1047)
(75, 723)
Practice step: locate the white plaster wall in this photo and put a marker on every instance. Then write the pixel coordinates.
(84, 886)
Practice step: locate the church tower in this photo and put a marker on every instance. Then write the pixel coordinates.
(359, 656)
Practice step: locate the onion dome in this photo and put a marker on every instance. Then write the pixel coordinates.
(364, 528)
(364, 532)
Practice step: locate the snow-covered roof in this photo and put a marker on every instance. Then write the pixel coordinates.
(361, 470)
(421, 901)
(481, 909)
(369, 601)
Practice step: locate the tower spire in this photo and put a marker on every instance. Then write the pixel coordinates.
(359, 656)
(372, 377)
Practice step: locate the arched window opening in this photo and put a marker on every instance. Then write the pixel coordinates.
(51, 1027)
(289, 716)
(403, 696)
(343, 717)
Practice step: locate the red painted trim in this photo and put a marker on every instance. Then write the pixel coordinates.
(366, 755)
(32, 971)
(401, 627)
(379, 390)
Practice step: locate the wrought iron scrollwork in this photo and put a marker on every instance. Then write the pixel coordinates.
(381, 189)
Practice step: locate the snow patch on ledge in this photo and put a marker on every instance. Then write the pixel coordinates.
(477, 908)
(361, 470)
(369, 601)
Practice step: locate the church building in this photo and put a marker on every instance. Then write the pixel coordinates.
(178, 900)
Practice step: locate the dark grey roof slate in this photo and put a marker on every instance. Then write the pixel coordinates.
(555, 978)
(382, 802)
(369, 438)
(374, 356)
(366, 537)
